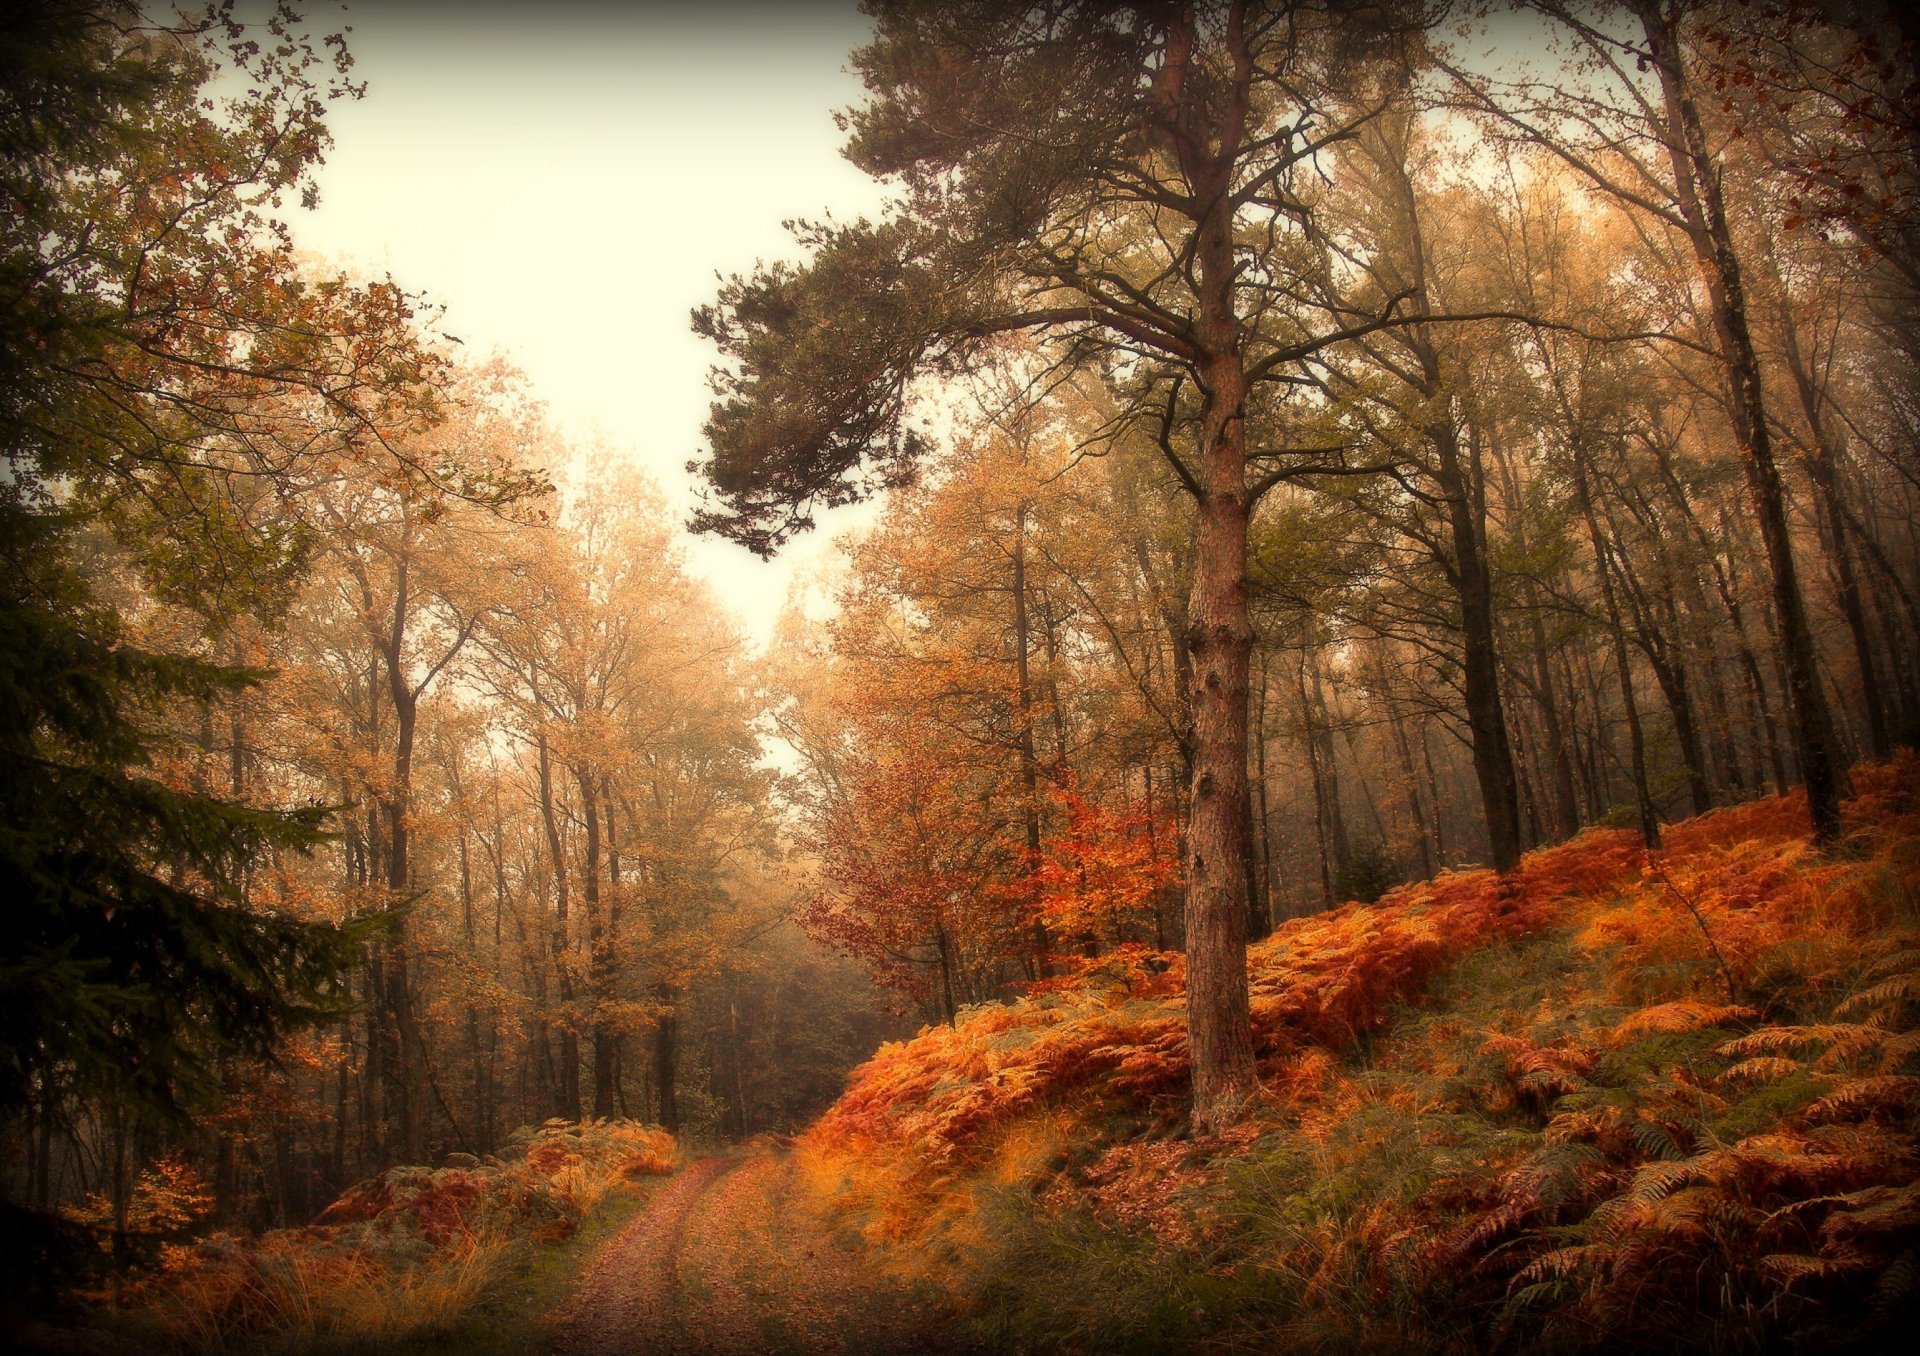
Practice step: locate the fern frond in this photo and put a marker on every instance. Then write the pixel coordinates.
(1897, 1050)
(1656, 1141)
(1900, 988)
(1875, 1210)
(1844, 1038)
(1612, 1220)
(1761, 1069)
(1553, 1175)
(1908, 958)
(1685, 1015)
(1789, 1267)
(1657, 1181)
(1558, 1266)
(1548, 1083)
(1859, 1096)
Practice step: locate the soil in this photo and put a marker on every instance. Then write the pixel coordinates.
(734, 1256)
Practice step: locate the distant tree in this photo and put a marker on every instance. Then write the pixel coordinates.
(1630, 114)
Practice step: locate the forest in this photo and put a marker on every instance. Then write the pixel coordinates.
(1353, 788)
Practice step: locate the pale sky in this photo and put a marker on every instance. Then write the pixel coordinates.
(567, 181)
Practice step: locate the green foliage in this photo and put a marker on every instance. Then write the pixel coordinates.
(130, 960)
(785, 442)
(1368, 872)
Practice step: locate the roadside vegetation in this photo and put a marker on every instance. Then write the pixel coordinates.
(467, 1257)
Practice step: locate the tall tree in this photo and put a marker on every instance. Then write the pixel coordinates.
(1630, 116)
(1422, 363)
(1130, 185)
(161, 357)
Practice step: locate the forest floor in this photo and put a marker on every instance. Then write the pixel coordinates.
(734, 1255)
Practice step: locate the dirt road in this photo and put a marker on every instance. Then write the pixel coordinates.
(733, 1257)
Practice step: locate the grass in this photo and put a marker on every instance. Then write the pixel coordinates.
(536, 1279)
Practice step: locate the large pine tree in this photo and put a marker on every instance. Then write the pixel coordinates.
(1086, 175)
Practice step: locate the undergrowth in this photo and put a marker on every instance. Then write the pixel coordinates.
(1611, 1102)
(417, 1259)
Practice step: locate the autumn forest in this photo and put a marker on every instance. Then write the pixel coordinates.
(1344, 781)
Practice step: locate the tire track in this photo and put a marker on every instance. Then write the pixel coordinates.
(627, 1303)
(748, 1266)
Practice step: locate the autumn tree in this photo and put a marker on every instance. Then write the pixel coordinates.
(1630, 114)
(1080, 174)
(169, 370)
(1409, 397)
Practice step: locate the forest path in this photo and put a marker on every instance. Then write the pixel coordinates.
(734, 1256)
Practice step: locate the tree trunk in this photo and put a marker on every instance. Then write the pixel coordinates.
(1486, 719)
(569, 1089)
(599, 951)
(1207, 139)
(1323, 797)
(1029, 761)
(1696, 177)
(1260, 914)
(1622, 658)
(1428, 865)
(666, 1033)
(1463, 492)
(1328, 762)
(1822, 469)
(1219, 1016)
(1433, 794)
(397, 992)
(1767, 731)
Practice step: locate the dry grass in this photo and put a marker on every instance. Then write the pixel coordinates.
(397, 1259)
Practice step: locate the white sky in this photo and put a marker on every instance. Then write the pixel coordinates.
(567, 182)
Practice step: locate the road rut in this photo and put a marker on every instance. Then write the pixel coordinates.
(733, 1256)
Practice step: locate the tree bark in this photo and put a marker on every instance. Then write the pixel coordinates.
(1697, 180)
(1472, 579)
(1822, 469)
(1622, 657)
(599, 953)
(666, 1033)
(1029, 760)
(396, 995)
(1260, 911)
(1207, 135)
(569, 1087)
(1322, 800)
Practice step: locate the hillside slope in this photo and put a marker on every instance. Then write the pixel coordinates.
(1608, 1102)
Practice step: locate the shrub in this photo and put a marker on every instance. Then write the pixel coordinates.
(404, 1254)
